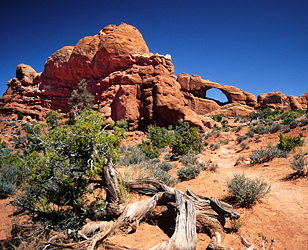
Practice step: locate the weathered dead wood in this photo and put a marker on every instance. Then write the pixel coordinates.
(184, 236)
(148, 186)
(110, 183)
(220, 207)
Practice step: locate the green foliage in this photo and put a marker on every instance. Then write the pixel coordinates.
(218, 118)
(238, 128)
(149, 150)
(188, 172)
(159, 136)
(81, 97)
(288, 143)
(188, 159)
(53, 118)
(304, 121)
(241, 138)
(133, 156)
(63, 159)
(166, 166)
(185, 139)
(20, 116)
(261, 155)
(247, 191)
(299, 164)
(122, 124)
(250, 133)
(10, 175)
(244, 145)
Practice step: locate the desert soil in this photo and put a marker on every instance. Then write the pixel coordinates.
(282, 215)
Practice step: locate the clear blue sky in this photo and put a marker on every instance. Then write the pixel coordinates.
(257, 45)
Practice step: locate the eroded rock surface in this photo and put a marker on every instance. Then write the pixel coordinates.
(128, 82)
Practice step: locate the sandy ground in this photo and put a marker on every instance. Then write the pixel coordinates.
(282, 215)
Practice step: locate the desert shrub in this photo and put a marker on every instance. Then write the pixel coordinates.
(61, 161)
(299, 164)
(261, 130)
(133, 156)
(300, 134)
(159, 136)
(288, 143)
(218, 118)
(122, 124)
(149, 150)
(226, 129)
(261, 155)
(201, 166)
(11, 175)
(238, 128)
(186, 139)
(212, 167)
(123, 149)
(206, 143)
(168, 156)
(166, 166)
(237, 118)
(225, 142)
(304, 121)
(165, 177)
(188, 172)
(241, 138)
(275, 127)
(250, 133)
(214, 146)
(236, 224)
(188, 159)
(239, 160)
(293, 124)
(287, 129)
(20, 116)
(247, 191)
(244, 145)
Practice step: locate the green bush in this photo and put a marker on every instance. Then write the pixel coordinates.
(186, 139)
(247, 191)
(238, 128)
(122, 124)
(244, 145)
(218, 118)
(165, 177)
(149, 150)
(250, 133)
(188, 172)
(166, 166)
(241, 138)
(188, 159)
(299, 164)
(11, 176)
(20, 116)
(63, 159)
(261, 155)
(304, 121)
(133, 156)
(288, 143)
(159, 136)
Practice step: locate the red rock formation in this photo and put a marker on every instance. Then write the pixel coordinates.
(128, 82)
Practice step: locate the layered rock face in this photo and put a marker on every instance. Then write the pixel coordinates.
(128, 82)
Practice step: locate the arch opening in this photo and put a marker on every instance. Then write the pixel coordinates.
(216, 95)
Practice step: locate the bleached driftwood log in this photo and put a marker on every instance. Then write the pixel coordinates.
(192, 213)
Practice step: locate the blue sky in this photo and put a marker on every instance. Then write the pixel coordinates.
(257, 45)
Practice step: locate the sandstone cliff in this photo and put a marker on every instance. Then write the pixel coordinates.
(128, 82)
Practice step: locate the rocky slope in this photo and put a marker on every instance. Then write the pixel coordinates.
(128, 82)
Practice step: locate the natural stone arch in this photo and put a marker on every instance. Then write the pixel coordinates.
(218, 92)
